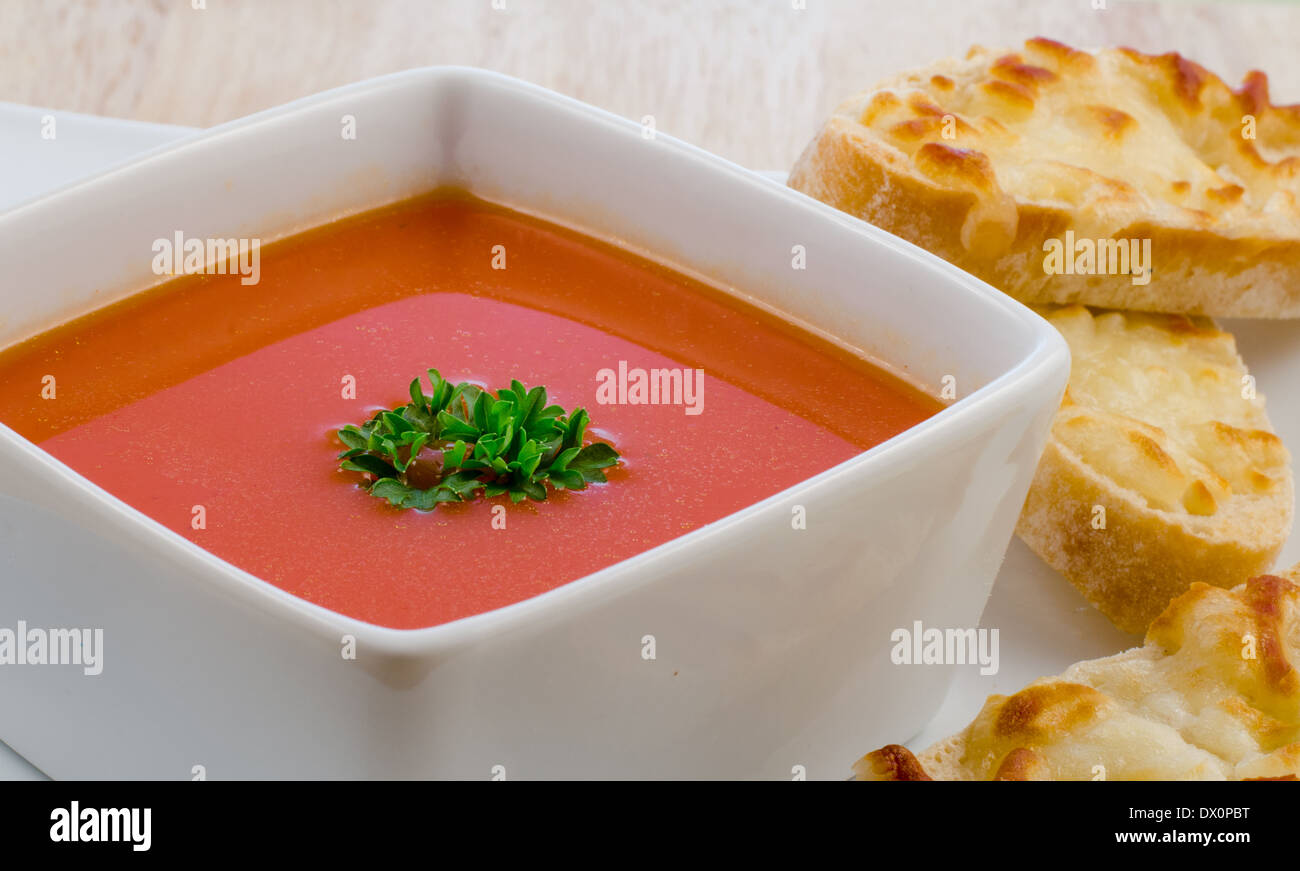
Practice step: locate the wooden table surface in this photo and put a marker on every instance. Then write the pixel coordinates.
(748, 80)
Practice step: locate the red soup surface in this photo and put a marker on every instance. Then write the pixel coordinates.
(208, 392)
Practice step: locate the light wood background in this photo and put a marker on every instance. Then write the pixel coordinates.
(748, 79)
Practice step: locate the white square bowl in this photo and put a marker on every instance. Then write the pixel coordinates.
(772, 643)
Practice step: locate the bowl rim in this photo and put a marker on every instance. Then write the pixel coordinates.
(1047, 360)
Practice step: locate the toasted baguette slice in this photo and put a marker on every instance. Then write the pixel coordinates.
(984, 160)
(1161, 468)
(1213, 694)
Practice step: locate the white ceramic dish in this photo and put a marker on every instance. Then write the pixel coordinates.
(772, 644)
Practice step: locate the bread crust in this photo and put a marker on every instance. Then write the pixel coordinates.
(1125, 550)
(965, 211)
(1144, 558)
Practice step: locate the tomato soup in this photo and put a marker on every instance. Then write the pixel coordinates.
(212, 406)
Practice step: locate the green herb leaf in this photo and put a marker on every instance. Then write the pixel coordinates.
(560, 463)
(370, 463)
(510, 443)
(591, 459)
(401, 496)
(455, 428)
(569, 478)
(352, 437)
(576, 428)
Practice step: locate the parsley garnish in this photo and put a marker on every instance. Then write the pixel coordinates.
(460, 440)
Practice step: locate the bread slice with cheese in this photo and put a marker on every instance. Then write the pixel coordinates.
(1161, 468)
(998, 161)
(1213, 694)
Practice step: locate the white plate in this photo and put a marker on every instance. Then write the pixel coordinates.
(1043, 624)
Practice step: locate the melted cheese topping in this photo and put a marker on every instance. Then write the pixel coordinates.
(1117, 137)
(1163, 406)
(1212, 695)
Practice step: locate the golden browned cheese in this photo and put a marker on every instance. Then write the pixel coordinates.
(1162, 467)
(986, 159)
(1213, 694)
(1159, 403)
